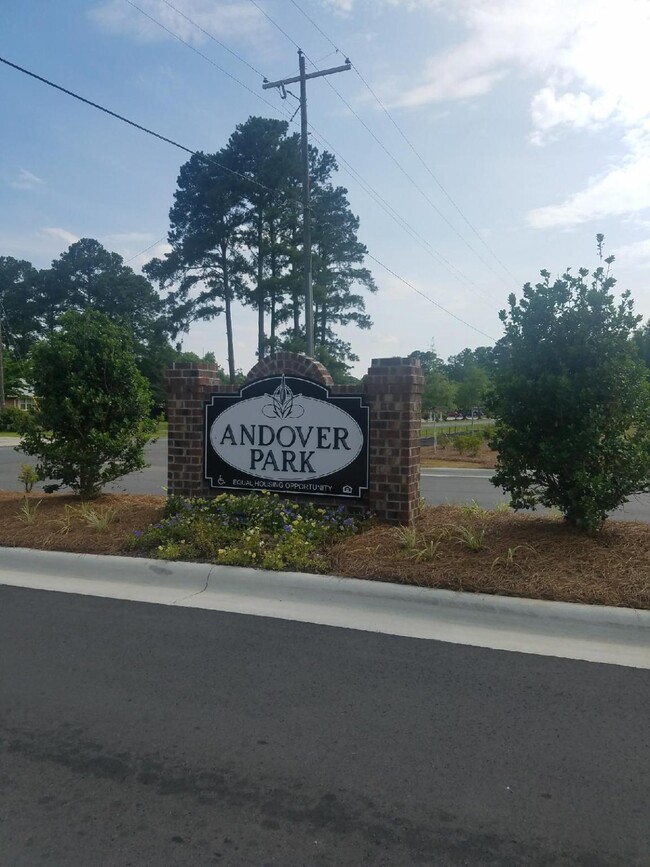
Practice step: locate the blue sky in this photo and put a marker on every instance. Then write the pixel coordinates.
(533, 117)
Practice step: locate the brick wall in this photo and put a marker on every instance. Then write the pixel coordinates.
(392, 389)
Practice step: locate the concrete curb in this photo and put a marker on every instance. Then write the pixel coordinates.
(191, 577)
(618, 636)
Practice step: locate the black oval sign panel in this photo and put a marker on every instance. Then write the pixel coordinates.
(287, 434)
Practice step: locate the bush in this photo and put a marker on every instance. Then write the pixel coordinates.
(11, 418)
(259, 530)
(572, 400)
(91, 419)
(468, 444)
(487, 432)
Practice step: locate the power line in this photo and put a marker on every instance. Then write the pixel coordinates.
(146, 249)
(412, 147)
(401, 221)
(433, 176)
(214, 38)
(210, 160)
(205, 57)
(145, 129)
(435, 254)
(275, 23)
(406, 174)
(430, 300)
(314, 24)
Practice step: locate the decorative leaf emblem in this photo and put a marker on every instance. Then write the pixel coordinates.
(282, 403)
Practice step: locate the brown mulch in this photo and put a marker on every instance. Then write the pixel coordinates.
(53, 531)
(447, 456)
(548, 559)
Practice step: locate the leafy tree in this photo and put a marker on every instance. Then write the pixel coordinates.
(571, 399)
(205, 233)
(267, 162)
(472, 388)
(18, 323)
(88, 275)
(236, 233)
(439, 393)
(429, 360)
(91, 420)
(483, 357)
(337, 265)
(18, 305)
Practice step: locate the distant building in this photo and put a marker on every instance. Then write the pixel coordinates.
(21, 397)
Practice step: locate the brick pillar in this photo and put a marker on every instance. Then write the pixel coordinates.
(188, 386)
(394, 389)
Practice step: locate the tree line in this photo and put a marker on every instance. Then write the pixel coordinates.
(460, 384)
(235, 235)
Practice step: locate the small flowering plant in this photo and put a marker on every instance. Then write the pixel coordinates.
(262, 530)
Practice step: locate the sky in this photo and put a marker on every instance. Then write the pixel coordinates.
(480, 140)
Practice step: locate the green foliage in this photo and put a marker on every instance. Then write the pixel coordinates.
(232, 240)
(572, 400)
(260, 530)
(11, 418)
(471, 389)
(28, 476)
(487, 433)
(90, 422)
(469, 444)
(439, 393)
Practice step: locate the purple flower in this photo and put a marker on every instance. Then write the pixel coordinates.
(137, 532)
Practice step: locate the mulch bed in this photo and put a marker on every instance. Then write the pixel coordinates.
(548, 559)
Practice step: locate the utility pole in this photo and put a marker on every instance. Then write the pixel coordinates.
(306, 208)
(2, 370)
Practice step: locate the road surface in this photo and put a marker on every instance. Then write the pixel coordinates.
(138, 734)
(438, 485)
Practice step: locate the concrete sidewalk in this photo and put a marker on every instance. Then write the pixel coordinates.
(617, 636)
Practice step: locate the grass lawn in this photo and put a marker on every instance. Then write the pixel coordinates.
(450, 547)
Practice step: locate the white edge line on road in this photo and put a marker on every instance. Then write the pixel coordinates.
(581, 632)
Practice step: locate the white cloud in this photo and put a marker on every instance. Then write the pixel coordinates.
(591, 55)
(222, 19)
(26, 181)
(637, 254)
(621, 190)
(60, 234)
(589, 64)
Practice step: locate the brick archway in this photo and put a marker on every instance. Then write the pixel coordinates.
(291, 363)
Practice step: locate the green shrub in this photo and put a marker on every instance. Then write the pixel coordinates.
(28, 476)
(260, 530)
(571, 398)
(10, 418)
(487, 432)
(91, 420)
(468, 444)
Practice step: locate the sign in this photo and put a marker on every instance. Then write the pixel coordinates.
(287, 434)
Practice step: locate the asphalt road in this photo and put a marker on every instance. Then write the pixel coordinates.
(137, 734)
(438, 485)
